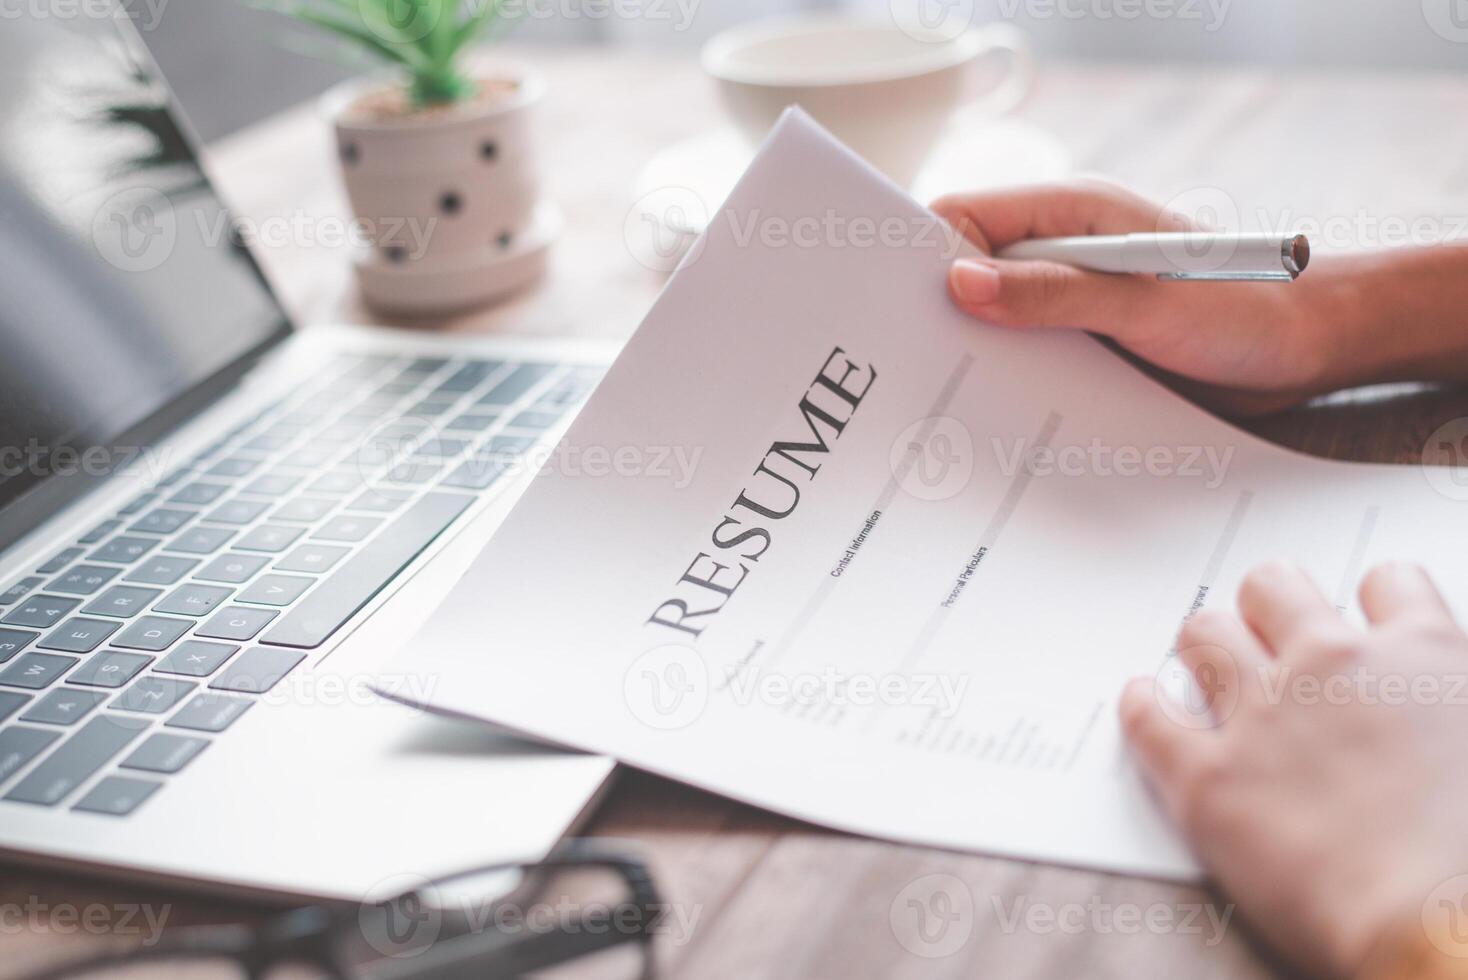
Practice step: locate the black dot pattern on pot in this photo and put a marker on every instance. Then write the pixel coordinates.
(396, 254)
(505, 239)
(489, 150)
(449, 202)
(350, 153)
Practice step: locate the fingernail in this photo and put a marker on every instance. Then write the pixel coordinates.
(974, 282)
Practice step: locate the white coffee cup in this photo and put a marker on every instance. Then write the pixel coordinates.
(887, 92)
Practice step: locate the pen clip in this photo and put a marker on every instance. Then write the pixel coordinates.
(1280, 276)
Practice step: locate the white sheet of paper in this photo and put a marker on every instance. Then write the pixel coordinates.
(924, 635)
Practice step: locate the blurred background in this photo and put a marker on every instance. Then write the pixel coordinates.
(232, 63)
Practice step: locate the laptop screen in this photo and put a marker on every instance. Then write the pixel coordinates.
(122, 292)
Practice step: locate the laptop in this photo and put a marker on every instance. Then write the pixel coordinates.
(214, 528)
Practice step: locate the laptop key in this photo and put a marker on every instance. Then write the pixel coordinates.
(64, 706)
(124, 550)
(233, 466)
(426, 365)
(153, 694)
(337, 482)
(269, 537)
(276, 590)
(347, 528)
(308, 457)
(117, 796)
(110, 668)
(468, 377)
(199, 494)
(272, 485)
(442, 448)
(122, 601)
(236, 623)
(20, 590)
(60, 560)
(35, 670)
(209, 713)
(472, 422)
(14, 641)
(305, 510)
(509, 445)
(232, 568)
(432, 408)
(152, 633)
(323, 610)
(83, 579)
(18, 746)
(477, 474)
(99, 532)
(41, 611)
(11, 702)
(163, 570)
(515, 387)
(413, 473)
(272, 440)
(396, 387)
(163, 520)
(79, 635)
(312, 558)
(193, 600)
(369, 365)
(379, 500)
(401, 434)
(571, 389)
(257, 671)
(237, 511)
(343, 432)
(165, 753)
(88, 749)
(202, 540)
(196, 658)
(535, 420)
(137, 504)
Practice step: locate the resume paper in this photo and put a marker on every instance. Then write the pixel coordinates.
(909, 561)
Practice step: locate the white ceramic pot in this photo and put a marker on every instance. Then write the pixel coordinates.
(447, 199)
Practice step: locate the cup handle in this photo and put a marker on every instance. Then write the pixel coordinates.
(1014, 44)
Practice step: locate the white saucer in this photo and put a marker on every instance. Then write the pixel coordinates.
(449, 283)
(683, 185)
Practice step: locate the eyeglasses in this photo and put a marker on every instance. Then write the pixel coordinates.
(436, 930)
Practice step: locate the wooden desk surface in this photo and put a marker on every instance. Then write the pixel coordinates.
(1356, 156)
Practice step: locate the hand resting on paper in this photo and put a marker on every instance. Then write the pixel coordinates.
(1237, 348)
(1326, 791)
(1324, 788)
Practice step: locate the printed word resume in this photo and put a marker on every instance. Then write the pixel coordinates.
(918, 558)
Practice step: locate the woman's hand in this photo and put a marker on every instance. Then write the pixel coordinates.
(1240, 348)
(1328, 796)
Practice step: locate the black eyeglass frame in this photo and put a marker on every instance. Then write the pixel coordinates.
(311, 935)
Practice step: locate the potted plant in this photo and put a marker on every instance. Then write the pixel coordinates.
(437, 154)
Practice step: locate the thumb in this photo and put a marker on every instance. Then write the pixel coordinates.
(1047, 294)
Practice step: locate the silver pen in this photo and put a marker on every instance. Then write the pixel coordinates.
(1178, 256)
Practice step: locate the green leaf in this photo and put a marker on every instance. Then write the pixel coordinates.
(479, 14)
(428, 41)
(361, 35)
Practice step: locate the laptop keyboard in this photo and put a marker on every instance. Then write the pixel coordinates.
(131, 650)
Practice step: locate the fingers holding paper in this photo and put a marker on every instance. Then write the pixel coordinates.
(994, 219)
(1240, 348)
